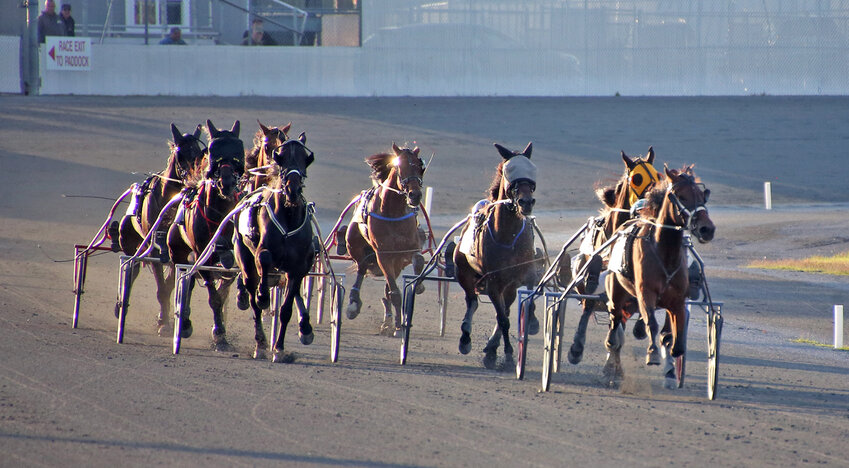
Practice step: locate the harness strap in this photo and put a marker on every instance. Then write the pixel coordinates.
(400, 218)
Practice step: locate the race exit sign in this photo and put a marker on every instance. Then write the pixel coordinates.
(64, 53)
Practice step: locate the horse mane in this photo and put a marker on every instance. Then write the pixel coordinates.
(195, 176)
(252, 156)
(495, 186)
(381, 166)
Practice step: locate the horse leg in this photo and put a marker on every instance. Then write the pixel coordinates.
(305, 333)
(503, 318)
(387, 328)
(576, 351)
(285, 315)
(490, 351)
(355, 303)
(259, 333)
(263, 266)
(613, 343)
(467, 282)
(418, 266)
(646, 301)
(164, 288)
(216, 303)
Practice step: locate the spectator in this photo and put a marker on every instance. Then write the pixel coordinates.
(175, 37)
(67, 19)
(257, 35)
(49, 23)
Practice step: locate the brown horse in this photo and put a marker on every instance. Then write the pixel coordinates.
(639, 177)
(496, 251)
(153, 194)
(259, 159)
(284, 245)
(384, 236)
(212, 198)
(655, 267)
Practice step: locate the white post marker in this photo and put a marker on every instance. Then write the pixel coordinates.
(838, 326)
(768, 195)
(428, 199)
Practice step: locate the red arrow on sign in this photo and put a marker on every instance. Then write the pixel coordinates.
(52, 53)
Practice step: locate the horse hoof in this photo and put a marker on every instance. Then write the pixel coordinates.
(489, 360)
(187, 329)
(653, 357)
(640, 330)
(575, 356)
(226, 259)
(465, 344)
(306, 339)
(283, 357)
(353, 310)
(263, 301)
(260, 353)
(533, 325)
(420, 288)
(164, 330)
(243, 300)
(220, 343)
(670, 383)
(399, 332)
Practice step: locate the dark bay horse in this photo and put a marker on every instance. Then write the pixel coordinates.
(258, 160)
(283, 246)
(213, 197)
(496, 251)
(655, 267)
(639, 177)
(153, 194)
(384, 236)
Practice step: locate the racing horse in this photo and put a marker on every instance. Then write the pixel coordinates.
(384, 236)
(654, 267)
(283, 244)
(206, 202)
(496, 251)
(145, 208)
(640, 176)
(259, 158)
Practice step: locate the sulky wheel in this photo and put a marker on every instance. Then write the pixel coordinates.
(524, 312)
(714, 337)
(124, 285)
(549, 346)
(335, 321)
(182, 298)
(407, 306)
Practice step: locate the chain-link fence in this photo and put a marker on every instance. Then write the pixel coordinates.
(662, 47)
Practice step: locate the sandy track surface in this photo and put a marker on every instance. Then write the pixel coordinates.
(73, 397)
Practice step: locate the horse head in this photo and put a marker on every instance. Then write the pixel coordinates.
(518, 178)
(226, 163)
(269, 138)
(641, 174)
(409, 169)
(688, 196)
(293, 157)
(187, 150)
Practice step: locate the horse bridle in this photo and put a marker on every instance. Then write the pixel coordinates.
(182, 171)
(691, 214)
(513, 191)
(286, 172)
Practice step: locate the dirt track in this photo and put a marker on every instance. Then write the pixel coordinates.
(76, 398)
